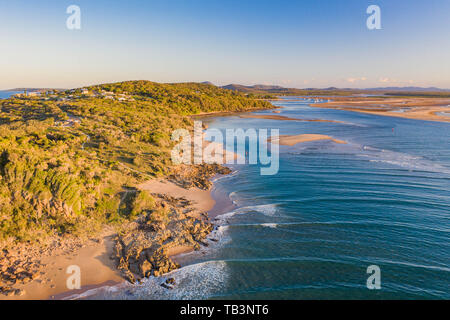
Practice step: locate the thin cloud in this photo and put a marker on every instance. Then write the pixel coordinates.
(353, 80)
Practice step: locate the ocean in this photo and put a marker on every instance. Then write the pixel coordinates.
(333, 210)
(7, 94)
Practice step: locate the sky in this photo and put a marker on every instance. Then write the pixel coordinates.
(302, 43)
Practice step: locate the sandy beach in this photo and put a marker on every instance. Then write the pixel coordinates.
(93, 258)
(95, 266)
(291, 140)
(202, 199)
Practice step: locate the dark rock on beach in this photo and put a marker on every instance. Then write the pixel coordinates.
(198, 176)
(141, 249)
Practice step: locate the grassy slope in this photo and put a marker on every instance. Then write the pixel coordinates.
(61, 178)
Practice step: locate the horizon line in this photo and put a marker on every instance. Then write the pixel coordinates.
(233, 83)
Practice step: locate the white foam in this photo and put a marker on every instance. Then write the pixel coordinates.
(226, 176)
(266, 209)
(220, 235)
(402, 160)
(233, 196)
(270, 225)
(103, 291)
(197, 281)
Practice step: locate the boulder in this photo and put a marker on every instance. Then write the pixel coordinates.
(145, 268)
(19, 292)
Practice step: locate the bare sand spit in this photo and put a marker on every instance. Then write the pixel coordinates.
(291, 140)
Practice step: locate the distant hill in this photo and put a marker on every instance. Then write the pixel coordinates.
(267, 87)
(274, 90)
(242, 88)
(238, 87)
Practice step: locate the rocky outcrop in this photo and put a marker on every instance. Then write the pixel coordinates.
(141, 250)
(197, 176)
(14, 270)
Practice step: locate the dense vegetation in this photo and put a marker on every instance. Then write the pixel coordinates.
(67, 159)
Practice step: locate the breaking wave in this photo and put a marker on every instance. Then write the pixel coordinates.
(196, 281)
(403, 160)
(269, 210)
(270, 225)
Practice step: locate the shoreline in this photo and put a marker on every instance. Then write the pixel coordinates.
(98, 270)
(97, 266)
(230, 113)
(92, 257)
(218, 202)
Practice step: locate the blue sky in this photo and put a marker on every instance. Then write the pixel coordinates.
(309, 43)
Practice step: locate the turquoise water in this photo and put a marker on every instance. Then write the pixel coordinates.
(311, 231)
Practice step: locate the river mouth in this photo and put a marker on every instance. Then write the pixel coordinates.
(333, 210)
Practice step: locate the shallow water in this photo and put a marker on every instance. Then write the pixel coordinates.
(311, 231)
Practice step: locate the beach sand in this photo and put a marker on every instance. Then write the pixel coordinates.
(97, 269)
(92, 259)
(202, 199)
(291, 140)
